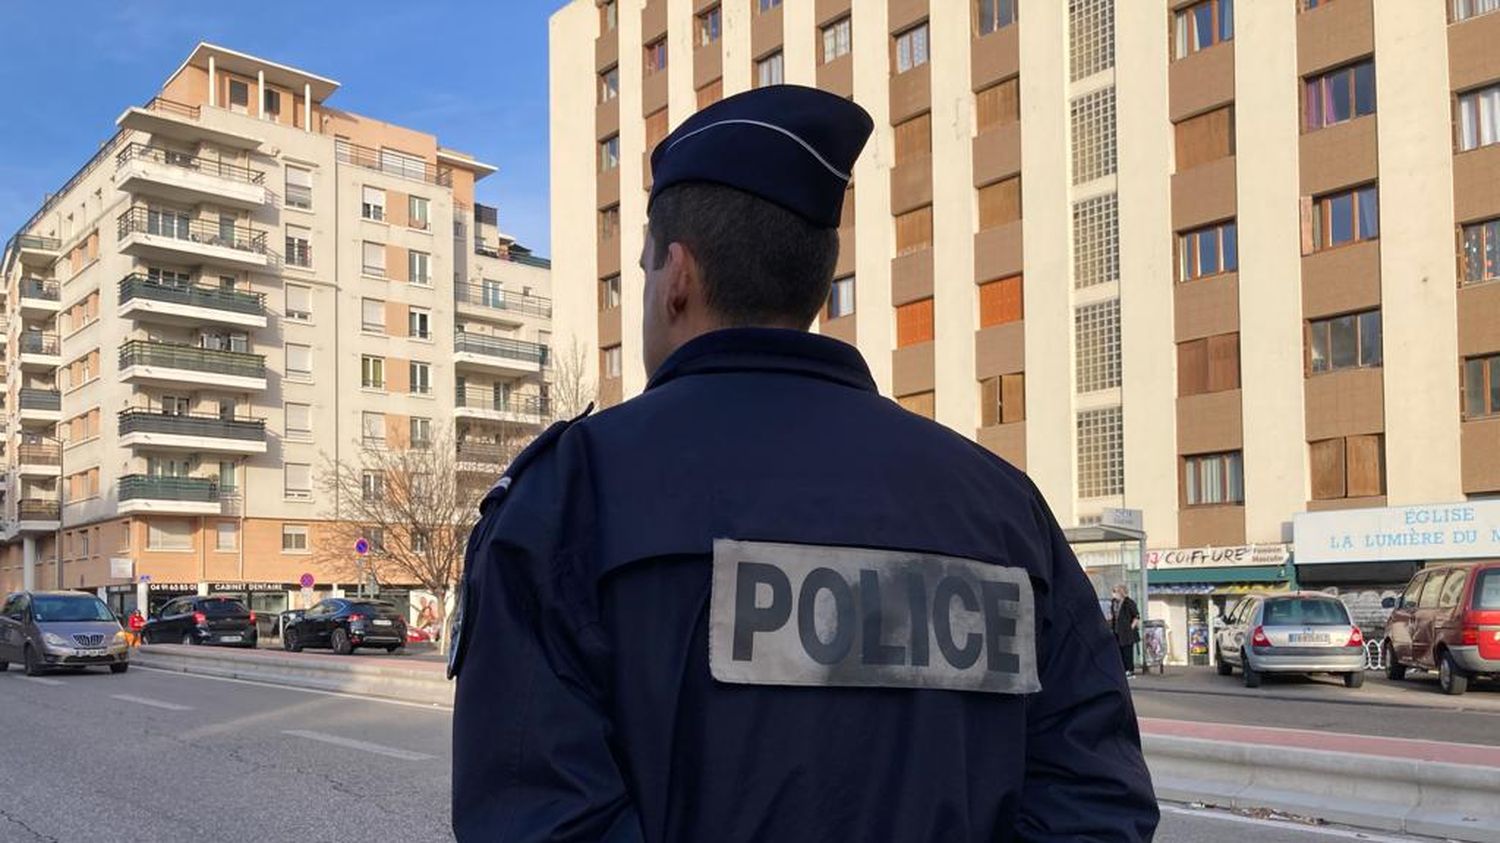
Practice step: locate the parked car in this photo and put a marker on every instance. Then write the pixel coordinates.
(59, 629)
(1447, 620)
(202, 620)
(1298, 632)
(344, 625)
(417, 635)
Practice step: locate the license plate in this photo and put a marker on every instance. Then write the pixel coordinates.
(98, 652)
(231, 639)
(379, 622)
(1310, 638)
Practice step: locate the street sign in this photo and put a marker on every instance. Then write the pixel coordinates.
(1125, 519)
(145, 578)
(306, 581)
(362, 546)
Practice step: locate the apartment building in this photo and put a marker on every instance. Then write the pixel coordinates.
(243, 286)
(1190, 257)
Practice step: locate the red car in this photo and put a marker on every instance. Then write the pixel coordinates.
(1447, 620)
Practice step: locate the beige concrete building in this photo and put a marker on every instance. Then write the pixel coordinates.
(245, 283)
(1170, 255)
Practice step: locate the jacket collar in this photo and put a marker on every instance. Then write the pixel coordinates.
(766, 350)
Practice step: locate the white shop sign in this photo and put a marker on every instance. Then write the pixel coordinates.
(1217, 557)
(1466, 530)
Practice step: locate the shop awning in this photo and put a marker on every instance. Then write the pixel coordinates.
(1218, 576)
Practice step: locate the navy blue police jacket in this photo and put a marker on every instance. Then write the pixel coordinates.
(586, 709)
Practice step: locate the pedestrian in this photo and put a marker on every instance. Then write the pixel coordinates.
(136, 623)
(761, 602)
(1125, 618)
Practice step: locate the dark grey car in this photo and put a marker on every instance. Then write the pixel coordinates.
(43, 630)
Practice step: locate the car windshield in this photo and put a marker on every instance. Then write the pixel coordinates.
(224, 607)
(1487, 589)
(1305, 611)
(51, 608)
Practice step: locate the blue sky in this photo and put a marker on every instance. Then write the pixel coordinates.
(473, 72)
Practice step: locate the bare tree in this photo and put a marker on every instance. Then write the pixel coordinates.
(413, 505)
(571, 389)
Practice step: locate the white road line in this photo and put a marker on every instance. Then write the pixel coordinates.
(150, 702)
(362, 746)
(446, 709)
(40, 681)
(1345, 834)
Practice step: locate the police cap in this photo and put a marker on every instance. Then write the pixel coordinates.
(788, 144)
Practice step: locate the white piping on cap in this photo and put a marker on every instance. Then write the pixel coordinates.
(773, 127)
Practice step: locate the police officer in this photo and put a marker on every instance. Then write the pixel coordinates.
(760, 601)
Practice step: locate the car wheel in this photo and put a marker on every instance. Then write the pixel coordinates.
(1252, 676)
(33, 667)
(393, 648)
(289, 641)
(1354, 679)
(119, 667)
(4, 666)
(341, 644)
(188, 640)
(1451, 677)
(1224, 668)
(1394, 669)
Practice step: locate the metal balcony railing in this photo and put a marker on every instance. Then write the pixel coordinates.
(142, 420)
(479, 398)
(401, 166)
(167, 106)
(37, 509)
(498, 299)
(38, 453)
(156, 488)
(33, 398)
(40, 288)
(529, 352)
(216, 298)
(188, 161)
(35, 342)
(481, 452)
(144, 221)
(191, 357)
(33, 241)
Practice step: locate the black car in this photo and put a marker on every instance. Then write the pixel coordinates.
(344, 624)
(202, 620)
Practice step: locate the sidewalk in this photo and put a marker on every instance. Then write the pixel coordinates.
(398, 676)
(1418, 690)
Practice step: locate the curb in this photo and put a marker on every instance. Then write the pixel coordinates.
(1284, 697)
(383, 680)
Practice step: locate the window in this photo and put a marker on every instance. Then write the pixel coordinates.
(609, 153)
(1479, 118)
(298, 246)
(609, 84)
(226, 535)
(420, 375)
(298, 421)
(711, 93)
(609, 293)
(1339, 95)
(1211, 479)
(419, 268)
(373, 259)
(293, 538)
(1347, 467)
(1096, 330)
(1208, 251)
(168, 534)
(416, 212)
(914, 323)
(710, 24)
(656, 128)
(611, 363)
(1096, 241)
(418, 541)
(372, 372)
(491, 293)
(1453, 589)
(1000, 203)
(299, 361)
(271, 105)
(841, 297)
(768, 5)
(992, 15)
(372, 485)
(1203, 25)
(911, 48)
(298, 303)
(1091, 37)
(609, 222)
(1481, 251)
(1210, 364)
(1101, 453)
(419, 323)
(609, 16)
(1002, 400)
(1341, 218)
(768, 71)
(372, 429)
(298, 482)
(1093, 128)
(913, 138)
(372, 204)
(239, 96)
(229, 479)
(914, 230)
(656, 57)
(836, 39)
(1000, 302)
(1351, 341)
(1465, 9)
(298, 188)
(1481, 386)
(1207, 137)
(421, 432)
(998, 105)
(372, 315)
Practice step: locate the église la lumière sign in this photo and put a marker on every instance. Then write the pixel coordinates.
(1465, 530)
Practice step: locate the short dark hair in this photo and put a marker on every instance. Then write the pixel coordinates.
(761, 263)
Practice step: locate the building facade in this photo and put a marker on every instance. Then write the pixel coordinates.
(1220, 262)
(245, 285)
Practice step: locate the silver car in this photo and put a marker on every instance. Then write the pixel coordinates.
(1297, 632)
(43, 630)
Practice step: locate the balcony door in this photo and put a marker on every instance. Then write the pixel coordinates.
(167, 466)
(174, 405)
(167, 223)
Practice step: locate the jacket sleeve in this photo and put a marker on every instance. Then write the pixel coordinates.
(1086, 778)
(531, 733)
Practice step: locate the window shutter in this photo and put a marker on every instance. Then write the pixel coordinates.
(1207, 137)
(1327, 463)
(914, 230)
(998, 105)
(1364, 466)
(999, 203)
(1192, 368)
(914, 138)
(914, 323)
(1223, 362)
(1305, 206)
(989, 402)
(1012, 398)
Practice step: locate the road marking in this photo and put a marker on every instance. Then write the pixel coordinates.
(275, 686)
(362, 746)
(40, 681)
(1346, 834)
(150, 702)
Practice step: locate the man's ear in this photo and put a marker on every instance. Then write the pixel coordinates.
(684, 282)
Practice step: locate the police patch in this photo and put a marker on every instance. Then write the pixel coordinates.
(789, 614)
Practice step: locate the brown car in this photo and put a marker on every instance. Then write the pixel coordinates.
(1447, 620)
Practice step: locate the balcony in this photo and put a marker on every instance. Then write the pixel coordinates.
(166, 118)
(146, 233)
(143, 428)
(145, 361)
(484, 405)
(401, 167)
(38, 250)
(38, 459)
(39, 407)
(498, 354)
(176, 495)
(478, 455)
(143, 297)
(490, 301)
(40, 352)
(37, 515)
(40, 298)
(188, 179)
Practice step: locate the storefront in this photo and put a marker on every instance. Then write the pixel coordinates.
(1190, 588)
(1367, 556)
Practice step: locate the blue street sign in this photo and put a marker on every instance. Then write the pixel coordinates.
(361, 546)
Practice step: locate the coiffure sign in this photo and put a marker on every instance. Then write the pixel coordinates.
(1217, 557)
(1442, 531)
